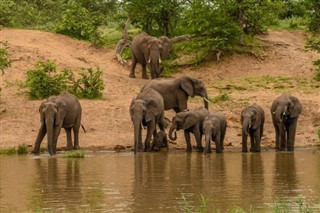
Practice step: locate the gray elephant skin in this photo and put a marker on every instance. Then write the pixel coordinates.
(175, 92)
(149, 50)
(160, 141)
(62, 111)
(285, 111)
(214, 128)
(190, 122)
(147, 110)
(252, 121)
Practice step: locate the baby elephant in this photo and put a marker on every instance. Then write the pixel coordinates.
(160, 141)
(252, 120)
(214, 127)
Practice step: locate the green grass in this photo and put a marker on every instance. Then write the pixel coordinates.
(293, 23)
(74, 154)
(21, 150)
(8, 151)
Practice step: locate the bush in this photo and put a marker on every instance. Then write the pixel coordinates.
(42, 82)
(5, 61)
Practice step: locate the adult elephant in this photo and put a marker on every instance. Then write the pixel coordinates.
(214, 127)
(175, 92)
(252, 120)
(285, 111)
(147, 110)
(190, 122)
(62, 111)
(149, 50)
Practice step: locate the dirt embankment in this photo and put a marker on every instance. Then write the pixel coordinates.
(107, 121)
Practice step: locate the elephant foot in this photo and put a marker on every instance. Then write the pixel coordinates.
(132, 75)
(145, 77)
(36, 152)
(76, 147)
(245, 150)
(189, 150)
(69, 147)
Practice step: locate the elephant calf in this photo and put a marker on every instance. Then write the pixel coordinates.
(160, 141)
(190, 122)
(285, 111)
(214, 127)
(62, 111)
(147, 110)
(252, 120)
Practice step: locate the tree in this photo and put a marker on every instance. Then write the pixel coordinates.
(314, 25)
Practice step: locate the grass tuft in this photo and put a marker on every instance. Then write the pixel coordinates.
(74, 154)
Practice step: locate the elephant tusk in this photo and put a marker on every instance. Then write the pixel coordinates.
(206, 100)
(159, 60)
(274, 112)
(149, 61)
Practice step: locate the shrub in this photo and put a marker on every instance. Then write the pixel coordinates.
(42, 82)
(5, 61)
(22, 149)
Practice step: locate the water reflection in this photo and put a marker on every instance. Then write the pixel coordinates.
(285, 183)
(252, 178)
(156, 182)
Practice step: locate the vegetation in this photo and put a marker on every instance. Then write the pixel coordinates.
(42, 81)
(74, 154)
(5, 61)
(21, 150)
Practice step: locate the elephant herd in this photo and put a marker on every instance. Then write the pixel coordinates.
(147, 110)
(163, 94)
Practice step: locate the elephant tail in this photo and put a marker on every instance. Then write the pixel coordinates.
(83, 128)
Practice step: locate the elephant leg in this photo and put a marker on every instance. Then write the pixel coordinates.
(76, 130)
(69, 138)
(150, 130)
(244, 142)
(257, 139)
(283, 138)
(42, 132)
(56, 133)
(292, 134)
(208, 145)
(161, 123)
(144, 71)
(198, 137)
(133, 67)
(252, 142)
(187, 137)
(277, 133)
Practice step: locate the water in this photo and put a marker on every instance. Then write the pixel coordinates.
(157, 182)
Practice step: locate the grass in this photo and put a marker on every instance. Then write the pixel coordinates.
(293, 23)
(21, 150)
(74, 154)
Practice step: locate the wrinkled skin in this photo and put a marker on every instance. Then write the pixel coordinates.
(190, 122)
(160, 141)
(214, 128)
(285, 111)
(252, 121)
(149, 50)
(63, 111)
(146, 110)
(175, 92)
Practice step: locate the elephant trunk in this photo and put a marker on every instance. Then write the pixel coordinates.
(245, 127)
(207, 139)
(171, 132)
(155, 66)
(49, 126)
(137, 135)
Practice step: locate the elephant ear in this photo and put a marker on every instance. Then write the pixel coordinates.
(187, 85)
(297, 107)
(152, 109)
(61, 112)
(190, 120)
(166, 46)
(257, 121)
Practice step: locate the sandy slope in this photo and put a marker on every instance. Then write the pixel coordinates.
(107, 121)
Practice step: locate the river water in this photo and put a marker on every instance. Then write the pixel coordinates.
(158, 182)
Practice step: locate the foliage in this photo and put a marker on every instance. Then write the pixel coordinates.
(220, 98)
(42, 82)
(22, 149)
(9, 151)
(314, 24)
(313, 43)
(74, 154)
(5, 61)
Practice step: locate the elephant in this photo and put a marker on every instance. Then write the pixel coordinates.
(62, 111)
(252, 121)
(189, 121)
(149, 50)
(214, 127)
(175, 92)
(160, 141)
(147, 110)
(285, 111)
